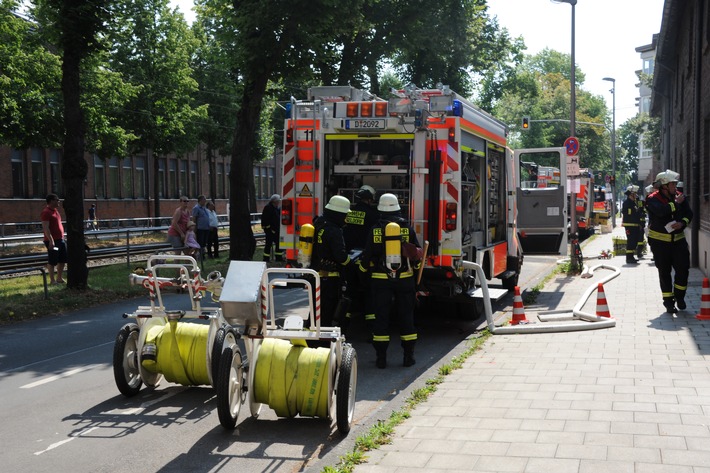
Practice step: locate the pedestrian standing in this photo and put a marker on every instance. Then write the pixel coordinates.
(330, 257)
(392, 279)
(669, 214)
(271, 224)
(178, 225)
(93, 222)
(54, 239)
(201, 217)
(213, 240)
(631, 223)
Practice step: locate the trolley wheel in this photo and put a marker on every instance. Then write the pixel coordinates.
(346, 390)
(224, 333)
(125, 360)
(229, 386)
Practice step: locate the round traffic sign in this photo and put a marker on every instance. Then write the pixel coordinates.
(571, 146)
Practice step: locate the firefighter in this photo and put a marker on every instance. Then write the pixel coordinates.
(669, 214)
(363, 215)
(642, 222)
(271, 224)
(391, 257)
(361, 218)
(330, 257)
(631, 223)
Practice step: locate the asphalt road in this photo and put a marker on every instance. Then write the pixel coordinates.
(61, 410)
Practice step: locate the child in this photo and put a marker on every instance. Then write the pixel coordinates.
(191, 245)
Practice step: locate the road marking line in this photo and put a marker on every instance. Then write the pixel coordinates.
(59, 444)
(66, 374)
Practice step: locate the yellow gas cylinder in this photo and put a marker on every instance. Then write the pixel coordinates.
(393, 247)
(305, 244)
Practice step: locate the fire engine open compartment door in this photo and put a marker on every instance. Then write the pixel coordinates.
(542, 200)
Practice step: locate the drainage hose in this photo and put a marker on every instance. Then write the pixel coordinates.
(292, 379)
(180, 352)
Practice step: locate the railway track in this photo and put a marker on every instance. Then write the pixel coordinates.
(99, 256)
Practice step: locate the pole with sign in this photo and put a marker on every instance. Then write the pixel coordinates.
(572, 152)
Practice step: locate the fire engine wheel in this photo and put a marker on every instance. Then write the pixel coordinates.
(126, 359)
(471, 309)
(229, 386)
(224, 334)
(346, 390)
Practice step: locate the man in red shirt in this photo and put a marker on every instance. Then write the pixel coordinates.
(54, 239)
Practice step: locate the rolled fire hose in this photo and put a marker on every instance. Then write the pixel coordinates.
(180, 352)
(292, 379)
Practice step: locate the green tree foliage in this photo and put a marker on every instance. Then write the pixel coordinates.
(152, 49)
(30, 79)
(540, 89)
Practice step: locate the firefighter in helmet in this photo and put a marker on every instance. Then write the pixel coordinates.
(391, 257)
(631, 223)
(271, 224)
(363, 215)
(669, 214)
(330, 257)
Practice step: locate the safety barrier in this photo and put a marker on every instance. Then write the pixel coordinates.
(31, 270)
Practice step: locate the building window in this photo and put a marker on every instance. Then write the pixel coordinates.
(193, 177)
(173, 190)
(127, 178)
(99, 178)
(55, 173)
(272, 183)
(220, 180)
(18, 173)
(140, 178)
(162, 164)
(39, 188)
(114, 185)
(648, 65)
(184, 163)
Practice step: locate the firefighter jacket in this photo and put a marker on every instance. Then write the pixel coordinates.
(358, 223)
(631, 213)
(662, 211)
(329, 252)
(373, 258)
(270, 221)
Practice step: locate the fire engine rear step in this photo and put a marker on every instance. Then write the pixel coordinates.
(495, 294)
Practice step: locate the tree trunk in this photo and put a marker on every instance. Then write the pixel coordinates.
(74, 170)
(241, 237)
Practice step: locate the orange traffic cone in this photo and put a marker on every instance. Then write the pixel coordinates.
(518, 309)
(704, 302)
(602, 307)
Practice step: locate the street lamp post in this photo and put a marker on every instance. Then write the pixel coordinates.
(613, 149)
(575, 262)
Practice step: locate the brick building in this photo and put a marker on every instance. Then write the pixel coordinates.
(121, 188)
(681, 99)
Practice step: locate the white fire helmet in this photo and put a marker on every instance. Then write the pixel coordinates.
(666, 177)
(388, 203)
(338, 203)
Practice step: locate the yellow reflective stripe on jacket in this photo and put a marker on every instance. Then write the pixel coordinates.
(629, 224)
(326, 274)
(665, 236)
(405, 274)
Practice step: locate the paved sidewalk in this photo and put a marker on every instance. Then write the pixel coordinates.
(634, 398)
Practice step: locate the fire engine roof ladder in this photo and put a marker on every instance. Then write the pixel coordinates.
(307, 110)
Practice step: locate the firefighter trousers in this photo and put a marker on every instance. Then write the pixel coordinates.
(633, 237)
(385, 292)
(669, 257)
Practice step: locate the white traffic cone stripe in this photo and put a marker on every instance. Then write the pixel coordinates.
(518, 309)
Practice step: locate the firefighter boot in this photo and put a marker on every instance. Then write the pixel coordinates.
(669, 304)
(639, 252)
(381, 352)
(630, 259)
(680, 298)
(408, 346)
